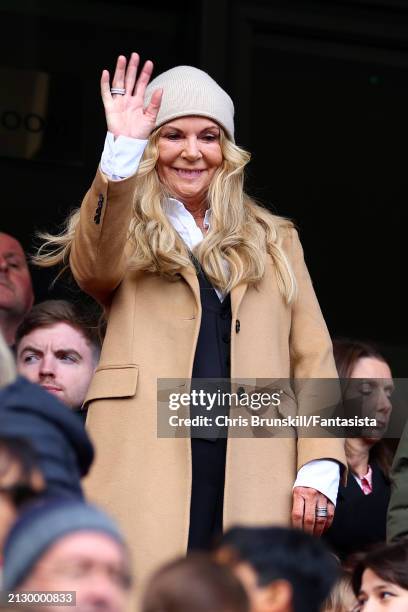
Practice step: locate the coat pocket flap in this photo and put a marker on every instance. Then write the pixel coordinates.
(113, 381)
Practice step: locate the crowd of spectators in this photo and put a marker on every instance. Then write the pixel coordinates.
(195, 280)
(54, 542)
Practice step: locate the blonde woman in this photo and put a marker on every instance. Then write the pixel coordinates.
(196, 281)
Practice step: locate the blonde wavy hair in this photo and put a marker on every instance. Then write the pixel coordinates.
(234, 249)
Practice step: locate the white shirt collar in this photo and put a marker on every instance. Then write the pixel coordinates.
(183, 222)
(185, 225)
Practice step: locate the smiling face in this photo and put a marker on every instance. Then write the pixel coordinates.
(58, 358)
(377, 594)
(189, 155)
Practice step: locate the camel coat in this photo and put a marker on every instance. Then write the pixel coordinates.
(153, 325)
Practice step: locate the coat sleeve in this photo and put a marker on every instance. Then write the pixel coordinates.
(311, 356)
(397, 518)
(98, 257)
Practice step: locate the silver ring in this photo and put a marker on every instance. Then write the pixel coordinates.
(321, 511)
(118, 90)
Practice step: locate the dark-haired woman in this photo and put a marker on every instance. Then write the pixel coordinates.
(380, 579)
(360, 518)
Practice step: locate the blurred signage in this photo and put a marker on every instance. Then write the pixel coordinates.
(35, 123)
(23, 112)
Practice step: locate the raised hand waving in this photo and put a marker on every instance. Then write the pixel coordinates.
(125, 112)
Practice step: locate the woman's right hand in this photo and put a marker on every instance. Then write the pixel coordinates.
(125, 114)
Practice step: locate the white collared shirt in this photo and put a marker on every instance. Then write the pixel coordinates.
(184, 223)
(120, 159)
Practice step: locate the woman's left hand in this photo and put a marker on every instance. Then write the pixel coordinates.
(305, 503)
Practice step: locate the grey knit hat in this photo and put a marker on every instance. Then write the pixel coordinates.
(190, 91)
(41, 525)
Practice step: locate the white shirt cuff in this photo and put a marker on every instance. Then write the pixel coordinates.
(322, 475)
(121, 157)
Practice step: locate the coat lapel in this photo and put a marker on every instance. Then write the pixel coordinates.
(237, 293)
(190, 276)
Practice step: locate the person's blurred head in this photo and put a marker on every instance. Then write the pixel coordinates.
(341, 597)
(63, 449)
(194, 584)
(65, 546)
(8, 370)
(58, 348)
(380, 579)
(20, 480)
(16, 292)
(367, 376)
(283, 570)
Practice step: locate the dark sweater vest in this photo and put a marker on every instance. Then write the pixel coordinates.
(211, 360)
(359, 520)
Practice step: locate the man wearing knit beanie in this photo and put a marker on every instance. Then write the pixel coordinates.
(72, 547)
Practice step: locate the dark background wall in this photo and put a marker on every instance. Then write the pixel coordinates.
(321, 94)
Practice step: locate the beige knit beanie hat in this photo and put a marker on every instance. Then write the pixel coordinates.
(190, 91)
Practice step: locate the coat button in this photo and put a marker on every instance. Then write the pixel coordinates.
(237, 326)
(226, 338)
(240, 391)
